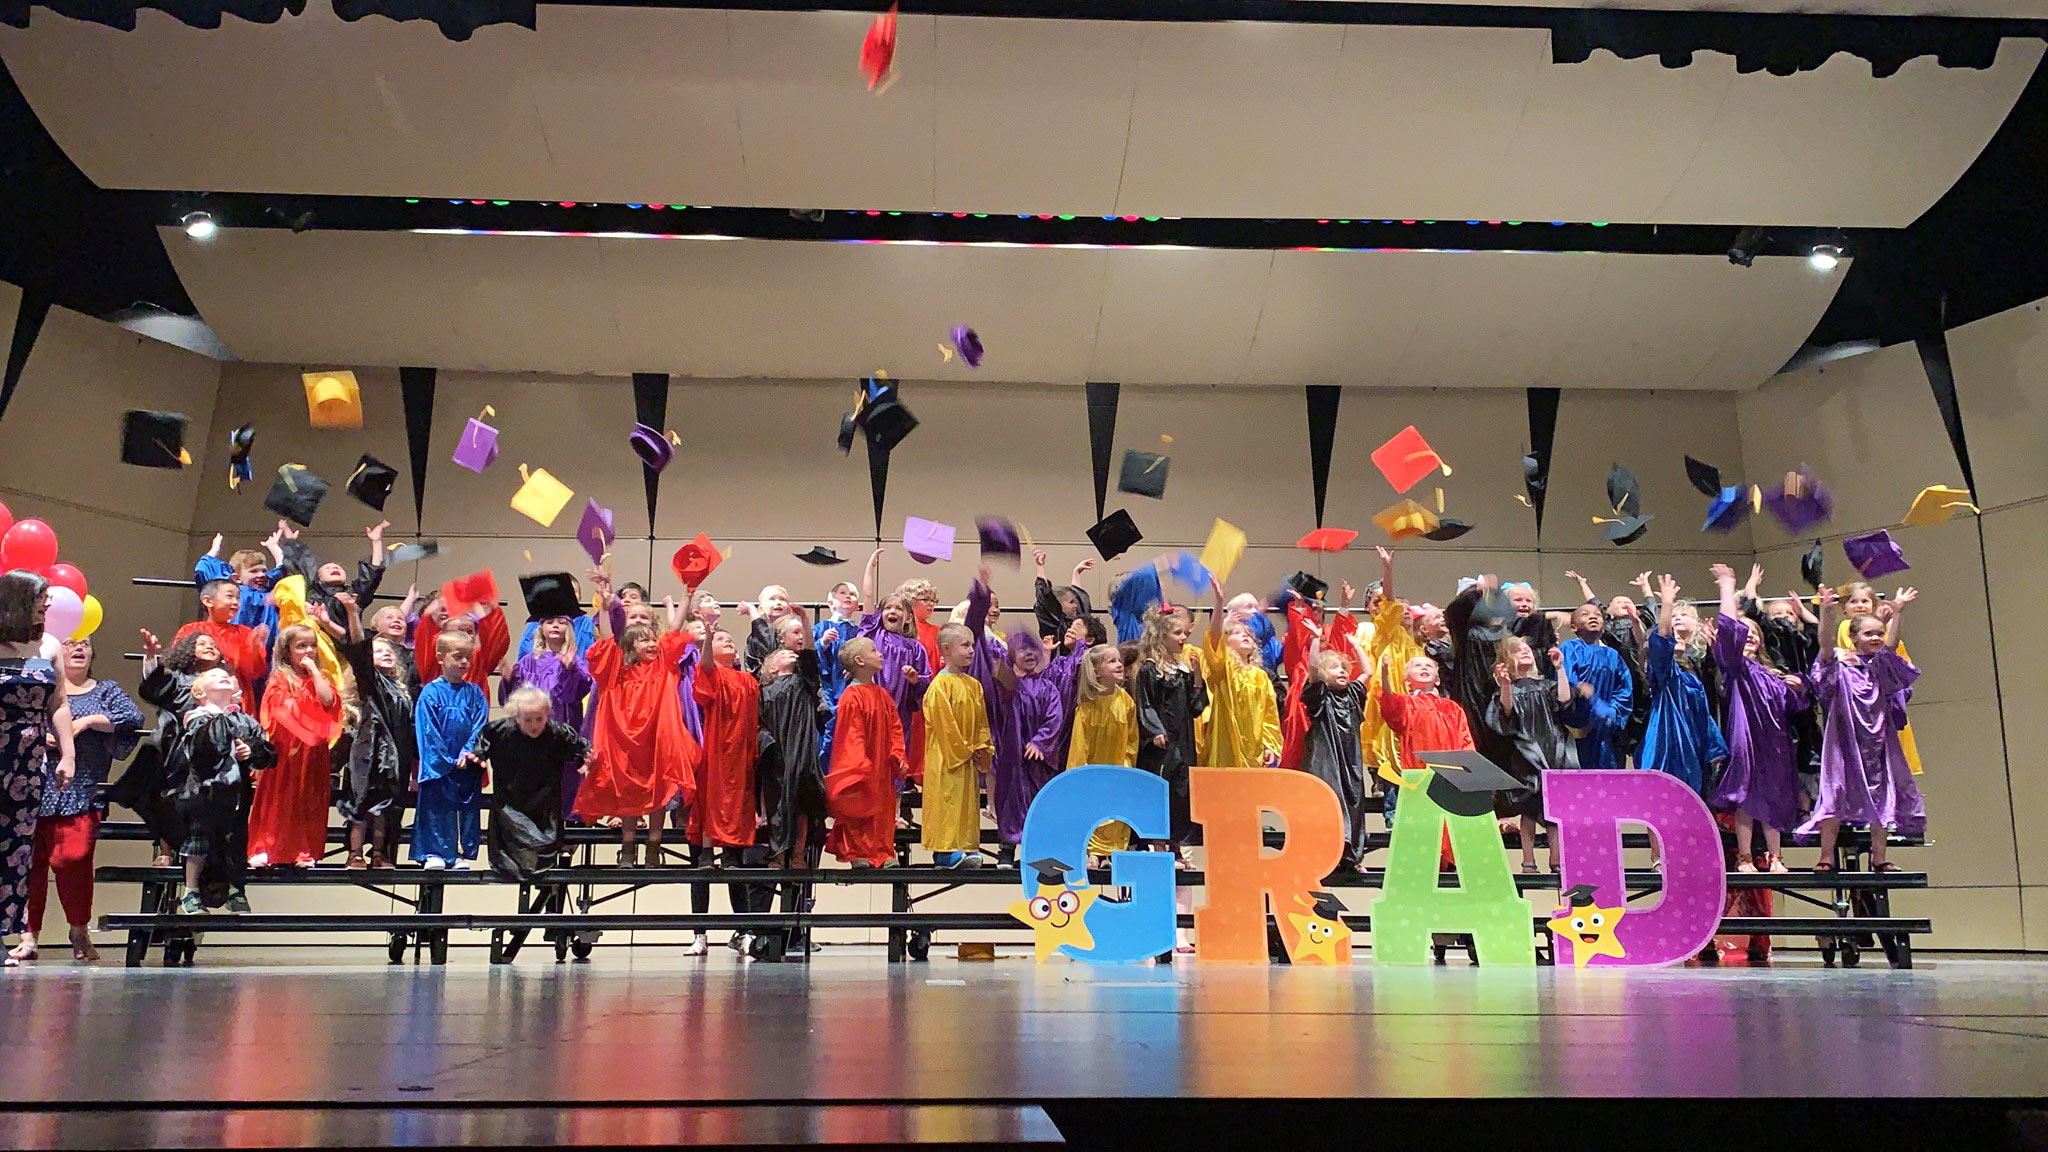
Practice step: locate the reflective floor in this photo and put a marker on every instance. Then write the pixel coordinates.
(265, 1025)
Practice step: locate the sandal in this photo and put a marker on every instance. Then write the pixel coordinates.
(1887, 866)
(81, 946)
(163, 860)
(1823, 866)
(26, 950)
(357, 860)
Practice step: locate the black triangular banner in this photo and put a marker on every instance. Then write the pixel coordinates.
(650, 407)
(416, 387)
(1542, 435)
(1102, 436)
(878, 480)
(28, 322)
(1322, 435)
(1941, 377)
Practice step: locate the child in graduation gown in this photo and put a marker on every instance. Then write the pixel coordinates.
(1761, 783)
(958, 750)
(526, 753)
(383, 757)
(446, 828)
(1057, 609)
(1865, 779)
(1860, 597)
(301, 716)
(1244, 714)
(722, 817)
(790, 779)
(1680, 737)
(1170, 694)
(244, 650)
(867, 763)
(217, 750)
(167, 678)
(1026, 716)
(642, 757)
(905, 668)
(556, 665)
(1308, 625)
(1422, 719)
(485, 625)
(1105, 731)
(1591, 662)
(1334, 705)
(1389, 648)
(1535, 715)
(840, 625)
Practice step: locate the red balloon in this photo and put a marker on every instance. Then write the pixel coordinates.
(64, 575)
(6, 519)
(29, 544)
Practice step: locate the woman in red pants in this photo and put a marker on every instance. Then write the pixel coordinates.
(104, 727)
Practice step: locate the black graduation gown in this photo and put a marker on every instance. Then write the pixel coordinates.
(526, 793)
(1541, 634)
(300, 561)
(1476, 627)
(1538, 739)
(1053, 620)
(1332, 754)
(1625, 636)
(212, 792)
(1168, 701)
(790, 787)
(383, 756)
(141, 788)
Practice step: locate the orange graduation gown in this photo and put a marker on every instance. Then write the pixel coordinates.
(867, 763)
(641, 756)
(723, 813)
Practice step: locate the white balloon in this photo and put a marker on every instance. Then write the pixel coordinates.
(64, 613)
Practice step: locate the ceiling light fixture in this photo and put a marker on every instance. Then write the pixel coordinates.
(1824, 257)
(199, 225)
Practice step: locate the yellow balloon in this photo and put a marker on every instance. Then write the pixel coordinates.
(90, 623)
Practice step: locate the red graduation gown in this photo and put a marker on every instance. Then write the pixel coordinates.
(723, 813)
(240, 653)
(1337, 630)
(288, 818)
(642, 756)
(867, 762)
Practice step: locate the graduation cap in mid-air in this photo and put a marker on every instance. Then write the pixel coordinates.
(821, 556)
(1186, 569)
(465, 593)
(1810, 565)
(695, 561)
(1626, 522)
(1447, 528)
(372, 481)
(1875, 554)
(1705, 477)
(241, 442)
(550, 594)
(413, 552)
(1937, 504)
(1051, 871)
(154, 439)
(1327, 540)
(927, 541)
(1144, 474)
(1114, 534)
(1533, 479)
(541, 497)
(1464, 781)
(595, 531)
(1405, 519)
(1730, 508)
(998, 538)
(1801, 501)
(333, 399)
(879, 414)
(966, 344)
(1406, 458)
(296, 494)
(479, 443)
(1306, 586)
(1223, 549)
(654, 447)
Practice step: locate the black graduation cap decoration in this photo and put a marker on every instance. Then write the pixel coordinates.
(550, 594)
(1050, 871)
(1327, 906)
(241, 442)
(1705, 477)
(154, 439)
(1114, 534)
(1144, 474)
(1625, 497)
(296, 495)
(1810, 565)
(1447, 528)
(1306, 586)
(372, 480)
(879, 413)
(821, 556)
(1579, 896)
(413, 552)
(1464, 781)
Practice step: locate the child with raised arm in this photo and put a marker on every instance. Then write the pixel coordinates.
(383, 759)
(1105, 731)
(1761, 784)
(447, 829)
(841, 623)
(252, 573)
(1058, 608)
(1026, 716)
(1536, 716)
(1244, 715)
(642, 756)
(1332, 752)
(867, 763)
(301, 715)
(1680, 737)
(1170, 694)
(243, 649)
(1591, 662)
(905, 670)
(957, 754)
(1864, 688)
(324, 582)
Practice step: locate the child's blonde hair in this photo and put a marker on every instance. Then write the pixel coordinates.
(1852, 590)
(948, 633)
(918, 588)
(851, 651)
(281, 651)
(1504, 652)
(449, 642)
(1331, 665)
(909, 612)
(1092, 686)
(1156, 644)
(527, 695)
(243, 557)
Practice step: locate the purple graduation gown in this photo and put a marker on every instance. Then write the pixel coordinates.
(1762, 777)
(1864, 779)
(1033, 713)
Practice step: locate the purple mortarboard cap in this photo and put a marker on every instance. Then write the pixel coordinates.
(967, 344)
(1186, 570)
(1728, 509)
(595, 531)
(1875, 554)
(999, 538)
(927, 541)
(654, 449)
(1801, 503)
(478, 446)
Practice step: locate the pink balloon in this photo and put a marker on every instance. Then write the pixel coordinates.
(63, 575)
(64, 613)
(29, 544)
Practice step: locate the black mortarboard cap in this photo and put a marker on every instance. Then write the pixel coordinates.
(887, 422)
(550, 594)
(821, 556)
(413, 552)
(1327, 905)
(1114, 534)
(1050, 871)
(296, 495)
(241, 442)
(1144, 474)
(1624, 492)
(1447, 529)
(372, 480)
(849, 426)
(1307, 587)
(1579, 896)
(154, 440)
(1627, 529)
(1705, 477)
(1532, 475)
(1810, 565)
(1464, 781)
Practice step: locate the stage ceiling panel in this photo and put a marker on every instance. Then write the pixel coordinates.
(741, 108)
(802, 310)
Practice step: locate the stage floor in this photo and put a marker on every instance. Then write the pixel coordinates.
(340, 1026)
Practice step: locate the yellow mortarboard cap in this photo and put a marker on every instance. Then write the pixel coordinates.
(333, 400)
(540, 496)
(1936, 505)
(1405, 519)
(1225, 547)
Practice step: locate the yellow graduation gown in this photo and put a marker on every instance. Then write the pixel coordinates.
(1391, 646)
(955, 731)
(1907, 744)
(1105, 732)
(1244, 717)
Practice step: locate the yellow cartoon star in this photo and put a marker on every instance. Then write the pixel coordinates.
(1318, 931)
(1056, 915)
(1588, 926)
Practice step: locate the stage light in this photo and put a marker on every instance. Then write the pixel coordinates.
(199, 225)
(1824, 257)
(1745, 246)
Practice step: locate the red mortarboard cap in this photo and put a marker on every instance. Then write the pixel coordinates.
(476, 590)
(1327, 540)
(878, 48)
(695, 561)
(1406, 459)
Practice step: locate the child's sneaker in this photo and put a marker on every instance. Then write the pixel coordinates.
(191, 905)
(238, 901)
(434, 864)
(460, 865)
